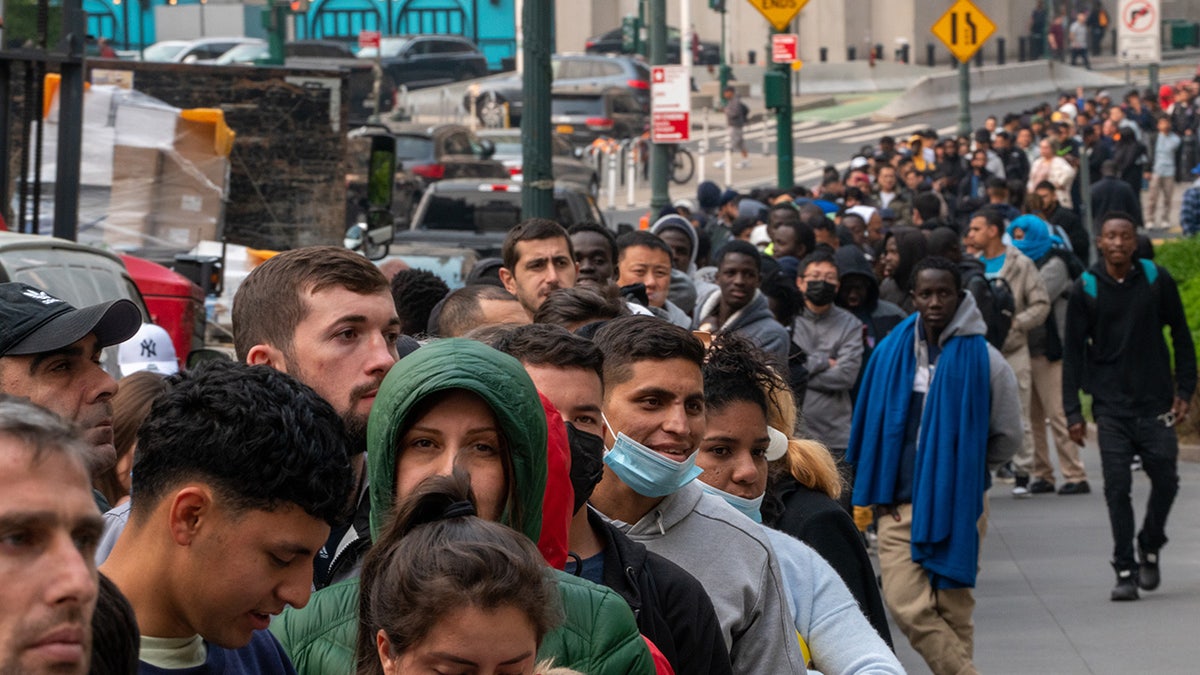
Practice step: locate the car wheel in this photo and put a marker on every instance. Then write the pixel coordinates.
(490, 110)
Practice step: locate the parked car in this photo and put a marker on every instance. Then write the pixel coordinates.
(568, 163)
(612, 43)
(478, 214)
(203, 50)
(424, 155)
(582, 116)
(570, 71)
(418, 61)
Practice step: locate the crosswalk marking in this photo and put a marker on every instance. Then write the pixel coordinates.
(827, 135)
(874, 136)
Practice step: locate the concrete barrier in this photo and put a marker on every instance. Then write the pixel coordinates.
(989, 84)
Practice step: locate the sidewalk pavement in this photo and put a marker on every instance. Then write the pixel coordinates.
(1042, 603)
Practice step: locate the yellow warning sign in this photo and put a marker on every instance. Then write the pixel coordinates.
(963, 29)
(779, 12)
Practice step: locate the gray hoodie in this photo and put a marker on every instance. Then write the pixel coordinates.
(731, 557)
(1006, 426)
(835, 335)
(755, 322)
(685, 287)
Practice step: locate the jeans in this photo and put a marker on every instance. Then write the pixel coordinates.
(1120, 439)
(1076, 54)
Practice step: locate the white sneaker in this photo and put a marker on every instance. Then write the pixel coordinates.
(720, 164)
(743, 164)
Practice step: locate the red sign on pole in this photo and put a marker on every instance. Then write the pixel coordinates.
(368, 38)
(670, 105)
(785, 48)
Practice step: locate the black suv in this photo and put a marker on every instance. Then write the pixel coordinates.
(583, 115)
(570, 71)
(418, 61)
(612, 43)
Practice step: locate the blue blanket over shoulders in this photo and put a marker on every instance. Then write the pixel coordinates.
(951, 462)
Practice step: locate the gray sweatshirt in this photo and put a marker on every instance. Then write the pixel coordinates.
(732, 558)
(755, 322)
(837, 335)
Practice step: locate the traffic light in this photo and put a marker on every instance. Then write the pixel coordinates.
(299, 6)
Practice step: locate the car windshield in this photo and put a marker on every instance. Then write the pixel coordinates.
(414, 147)
(389, 47)
(246, 53)
(164, 51)
(473, 211)
(506, 144)
(577, 105)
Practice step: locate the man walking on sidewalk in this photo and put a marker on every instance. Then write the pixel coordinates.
(1115, 351)
(736, 116)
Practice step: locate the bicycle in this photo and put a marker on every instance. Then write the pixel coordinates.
(680, 162)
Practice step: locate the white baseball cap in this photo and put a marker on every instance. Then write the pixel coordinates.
(149, 349)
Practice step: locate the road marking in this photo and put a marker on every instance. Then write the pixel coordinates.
(829, 136)
(897, 133)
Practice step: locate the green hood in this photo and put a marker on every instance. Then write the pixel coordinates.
(499, 379)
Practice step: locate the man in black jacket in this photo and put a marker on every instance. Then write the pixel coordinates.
(1115, 351)
(672, 609)
(1113, 194)
(1064, 218)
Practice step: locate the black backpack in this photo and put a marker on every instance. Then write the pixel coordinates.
(996, 303)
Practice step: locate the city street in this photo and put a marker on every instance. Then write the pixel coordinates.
(1042, 601)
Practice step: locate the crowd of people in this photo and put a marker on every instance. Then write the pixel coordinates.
(658, 452)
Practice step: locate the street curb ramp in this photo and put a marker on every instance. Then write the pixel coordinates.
(991, 84)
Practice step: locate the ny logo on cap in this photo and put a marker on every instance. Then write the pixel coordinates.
(40, 296)
(149, 349)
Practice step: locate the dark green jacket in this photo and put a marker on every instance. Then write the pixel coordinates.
(599, 635)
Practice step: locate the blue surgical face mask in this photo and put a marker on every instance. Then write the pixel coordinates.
(751, 508)
(647, 472)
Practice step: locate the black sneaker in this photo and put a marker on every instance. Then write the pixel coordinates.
(1021, 486)
(1076, 488)
(1148, 577)
(1041, 487)
(1127, 586)
(1005, 473)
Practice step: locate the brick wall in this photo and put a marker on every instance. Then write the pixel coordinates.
(287, 180)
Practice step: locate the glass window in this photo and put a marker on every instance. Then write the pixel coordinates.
(457, 144)
(414, 147)
(577, 105)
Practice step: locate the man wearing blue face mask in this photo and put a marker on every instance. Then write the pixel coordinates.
(833, 339)
(654, 407)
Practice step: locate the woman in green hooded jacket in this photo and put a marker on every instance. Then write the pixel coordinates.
(599, 635)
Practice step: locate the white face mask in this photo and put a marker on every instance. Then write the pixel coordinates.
(751, 508)
(645, 471)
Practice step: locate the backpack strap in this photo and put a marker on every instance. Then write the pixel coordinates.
(1089, 283)
(1150, 270)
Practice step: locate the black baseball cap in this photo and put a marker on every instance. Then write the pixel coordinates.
(34, 322)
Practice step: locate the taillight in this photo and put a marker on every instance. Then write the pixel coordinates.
(589, 44)
(638, 84)
(498, 187)
(430, 171)
(514, 171)
(599, 123)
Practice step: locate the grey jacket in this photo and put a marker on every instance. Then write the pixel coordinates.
(1006, 425)
(755, 322)
(730, 556)
(835, 335)
(1057, 280)
(1029, 295)
(673, 314)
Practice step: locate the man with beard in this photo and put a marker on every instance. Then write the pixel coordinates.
(51, 528)
(325, 316)
(50, 354)
(538, 258)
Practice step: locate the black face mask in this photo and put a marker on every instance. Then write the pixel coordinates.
(820, 293)
(587, 463)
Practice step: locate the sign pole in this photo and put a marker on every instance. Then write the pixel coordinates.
(964, 99)
(659, 196)
(785, 172)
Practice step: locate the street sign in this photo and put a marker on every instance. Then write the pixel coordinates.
(368, 39)
(670, 104)
(963, 29)
(779, 12)
(785, 47)
(1139, 39)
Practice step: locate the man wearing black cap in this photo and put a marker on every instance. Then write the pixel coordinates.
(50, 354)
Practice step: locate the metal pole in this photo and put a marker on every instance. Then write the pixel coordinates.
(766, 135)
(702, 151)
(785, 162)
(964, 99)
(723, 69)
(612, 177)
(685, 36)
(630, 174)
(1153, 77)
(70, 124)
(537, 195)
(659, 161)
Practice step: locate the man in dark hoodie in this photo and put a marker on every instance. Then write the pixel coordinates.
(737, 306)
(859, 294)
(903, 247)
(681, 236)
(1115, 351)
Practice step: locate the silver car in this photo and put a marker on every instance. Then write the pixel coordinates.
(569, 163)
